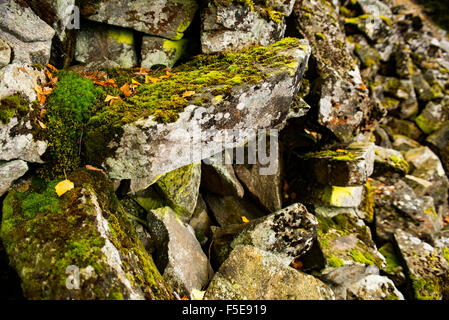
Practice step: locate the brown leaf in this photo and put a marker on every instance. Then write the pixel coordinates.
(126, 90)
(92, 168)
(52, 68)
(42, 125)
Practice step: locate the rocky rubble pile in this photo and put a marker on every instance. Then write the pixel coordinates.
(145, 124)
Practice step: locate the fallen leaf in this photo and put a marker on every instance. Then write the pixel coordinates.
(188, 94)
(185, 298)
(197, 294)
(126, 90)
(92, 168)
(297, 264)
(23, 188)
(22, 69)
(151, 79)
(64, 186)
(43, 112)
(245, 219)
(111, 99)
(43, 126)
(136, 82)
(52, 68)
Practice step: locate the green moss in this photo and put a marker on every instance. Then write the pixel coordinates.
(334, 262)
(342, 155)
(115, 295)
(44, 240)
(426, 288)
(446, 254)
(69, 107)
(400, 163)
(321, 36)
(11, 106)
(392, 260)
(121, 36)
(163, 100)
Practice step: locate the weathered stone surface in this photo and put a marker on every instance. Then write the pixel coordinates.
(159, 51)
(333, 196)
(433, 117)
(201, 222)
(62, 16)
(163, 18)
(178, 254)
(427, 269)
(345, 240)
(231, 209)
(400, 89)
(148, 149)
(394, 267)
(178, 189)
(98, 42)
(265, 187)
(5, 53)
(29, 36)
(426, 165)
(289, 234)
(253, 274)
(439, 140)
(397, 206)
(22, 146)
(348, 167)
(236, 26)
(218, 176)
(84, 230)
(389, 160)
(14, 80)
(403, 143)
(343, 102)
(9, 172)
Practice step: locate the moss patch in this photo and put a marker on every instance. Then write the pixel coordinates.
(12, 106)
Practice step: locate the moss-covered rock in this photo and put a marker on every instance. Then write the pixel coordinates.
(85, 231)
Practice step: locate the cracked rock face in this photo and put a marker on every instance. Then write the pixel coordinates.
(148, 149)
(163, 18)
(29, 36)
(233, 27)
(343, 102)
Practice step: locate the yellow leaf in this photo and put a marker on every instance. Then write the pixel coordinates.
(245, 219)
(188, 94)
(64, 186)
(149, 79)
(136, 82)
(197, 294)
(43, 126)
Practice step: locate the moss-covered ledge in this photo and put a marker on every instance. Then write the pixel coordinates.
(86, 227)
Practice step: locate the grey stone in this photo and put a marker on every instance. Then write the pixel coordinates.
(14, 80)
(389, 160)
(98, 42)
(5, 53)
(233, 27)
(9, 172)
(253, 274)
(159, 51)
(162, 18)
(28, 36)
(178, 254)
(427, 269)
(201, 222)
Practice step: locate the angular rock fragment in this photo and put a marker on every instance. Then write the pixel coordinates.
(14, 80)
(253, 274)
(218, 177)
(162, 18)
(178, 189)
(343, 102)
(5, 53)
(9, 172)
(348, 167)
(389, 160)
(178, 254)
(201, 222)
(428, 271)
(77, 246)
(28, 36)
